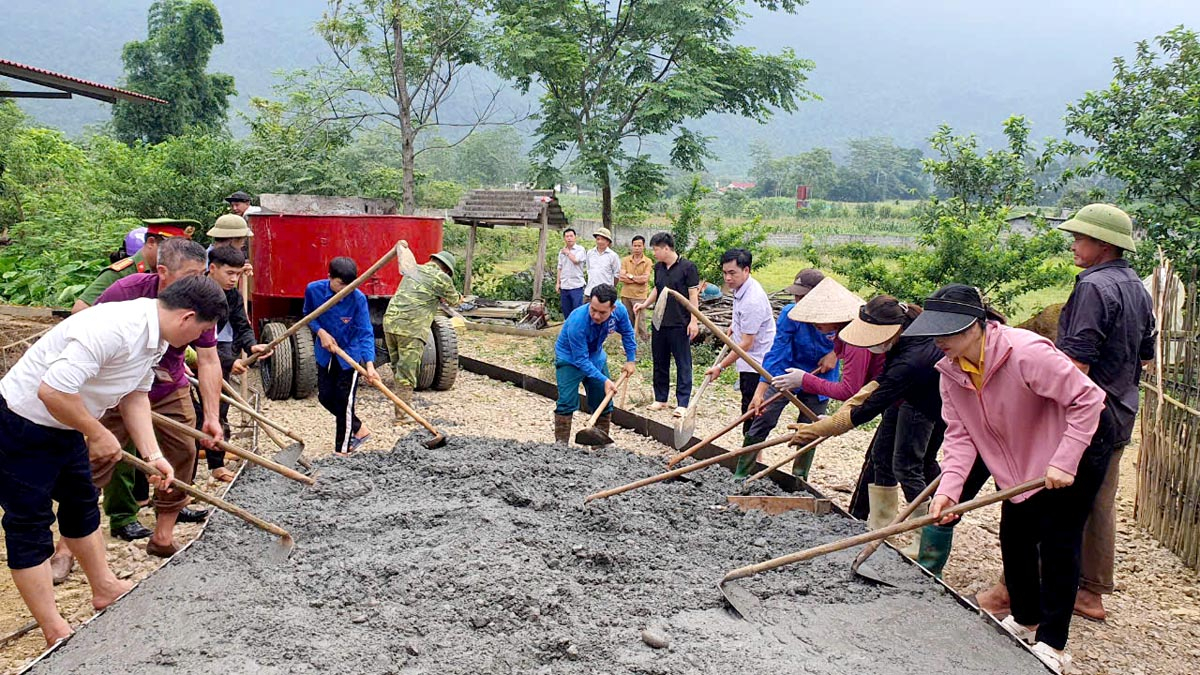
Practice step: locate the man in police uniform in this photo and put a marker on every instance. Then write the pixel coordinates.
(144, 260)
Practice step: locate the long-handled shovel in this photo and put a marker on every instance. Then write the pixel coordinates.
(337, 297)
(438, 440)
(711, 438)
(590, 435)
(869, 550)
(689, 468)
(290, 453)
(687, 424)
(737, 597)
(737, 349)
(280, 469)
(285, 539)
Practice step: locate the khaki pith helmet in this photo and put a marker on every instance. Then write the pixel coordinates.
(1105, 223)
(230, 226)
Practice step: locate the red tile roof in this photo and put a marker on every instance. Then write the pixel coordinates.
(74, 85)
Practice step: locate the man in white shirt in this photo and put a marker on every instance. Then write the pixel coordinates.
(50, 402)
(603, 263)
(570, 280)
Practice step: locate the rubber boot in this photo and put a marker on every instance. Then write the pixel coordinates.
(746, 462)
(936, 542)
(802, 464)
(404, 393)
(914, 548)
(885, 502)
(604, 423)
(562, 429)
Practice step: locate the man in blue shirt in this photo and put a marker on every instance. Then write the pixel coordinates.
(797, 345)
(579, 357)
(348, 325)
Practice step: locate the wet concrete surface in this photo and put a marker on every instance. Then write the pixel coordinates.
(480, 557)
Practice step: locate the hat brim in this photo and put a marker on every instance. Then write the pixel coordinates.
(228, 234)
(859, 333)
(798, 290)
(1121, 241)
(939, 324)
(443, 261)
(822, 314)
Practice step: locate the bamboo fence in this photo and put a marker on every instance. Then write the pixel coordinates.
(1168, 494)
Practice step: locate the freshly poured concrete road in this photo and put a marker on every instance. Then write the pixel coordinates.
(480, 557)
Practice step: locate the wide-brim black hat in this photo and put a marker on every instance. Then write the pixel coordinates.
(945, 317)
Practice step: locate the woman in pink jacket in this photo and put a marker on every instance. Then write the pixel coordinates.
(1012, 399)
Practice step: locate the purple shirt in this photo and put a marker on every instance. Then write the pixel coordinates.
(169, 374)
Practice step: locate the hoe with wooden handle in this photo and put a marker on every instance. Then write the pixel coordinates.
(438, 440)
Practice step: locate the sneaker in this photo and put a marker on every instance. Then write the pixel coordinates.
(658, 405)
(1055, 659)
(679, 412)
(1026, 635)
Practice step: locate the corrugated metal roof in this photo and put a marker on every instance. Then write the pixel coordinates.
(75, 85)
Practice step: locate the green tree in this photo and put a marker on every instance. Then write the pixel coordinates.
(878, 169)
(615, 73)
(397, 62)
(1144, 130)
(966, 237)
(778, 177)
(170, 64)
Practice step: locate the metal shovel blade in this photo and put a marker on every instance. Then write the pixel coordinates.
(289, 455)
(860, 568)
(743, 602)
(684, 429)
(592, 436)
(436, 442)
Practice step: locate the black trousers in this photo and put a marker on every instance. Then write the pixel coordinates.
(747, 385)
(41, 465)
(667, 344)
(905, 449)
(1040, 542)
(216, 458)
(337, 389)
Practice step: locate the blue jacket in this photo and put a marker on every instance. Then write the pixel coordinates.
(349, 322)
(798, 345)
(581, 339)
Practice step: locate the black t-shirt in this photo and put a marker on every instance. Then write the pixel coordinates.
(680, 277)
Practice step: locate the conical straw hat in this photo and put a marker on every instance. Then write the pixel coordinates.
(827, 302)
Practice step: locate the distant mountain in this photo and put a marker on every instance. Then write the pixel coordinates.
(883, 67)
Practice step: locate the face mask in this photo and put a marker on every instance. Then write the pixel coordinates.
(878, 349)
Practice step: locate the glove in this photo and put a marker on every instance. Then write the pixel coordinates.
(189, 357)
(836, 425)
(790, 380)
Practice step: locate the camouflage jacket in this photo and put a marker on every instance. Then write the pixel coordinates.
(412, 308)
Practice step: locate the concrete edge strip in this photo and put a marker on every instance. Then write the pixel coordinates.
(666, 435)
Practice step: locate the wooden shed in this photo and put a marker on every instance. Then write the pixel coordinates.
(520, 208)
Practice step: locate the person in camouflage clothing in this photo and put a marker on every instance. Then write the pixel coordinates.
(409, 315)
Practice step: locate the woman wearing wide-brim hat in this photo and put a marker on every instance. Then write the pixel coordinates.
(1013, 400)
(904, 449)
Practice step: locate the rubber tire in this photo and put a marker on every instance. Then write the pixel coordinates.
(428, 371)
(446, 340)
(276, 372)
(304, 368)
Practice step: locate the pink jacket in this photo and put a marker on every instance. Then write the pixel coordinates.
(859, 366)
(1036, 410)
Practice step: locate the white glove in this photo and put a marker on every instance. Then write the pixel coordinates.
(788, 381)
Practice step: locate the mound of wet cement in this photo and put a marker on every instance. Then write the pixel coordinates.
(480, 557)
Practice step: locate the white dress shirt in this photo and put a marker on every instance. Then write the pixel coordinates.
(101, 353)
(602, 268)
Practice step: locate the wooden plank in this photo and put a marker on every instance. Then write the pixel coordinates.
(470, 260)
(539, 266)
(773, 506)
(513, 330)
(22, 312)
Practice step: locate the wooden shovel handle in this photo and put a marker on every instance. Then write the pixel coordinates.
(795, 455)
(270, 426)
(884, 532)
(711, 438)
(692, 405)
(599, 410)
(737, 349)
(205, 497)
(337, 297)
(280, 469)
(688, 469)
(870, 548)
(391, 395)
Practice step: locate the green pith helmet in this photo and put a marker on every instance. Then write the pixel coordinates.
(446, 258)
(1104, 222)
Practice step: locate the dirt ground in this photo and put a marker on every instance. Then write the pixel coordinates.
(1154, 618)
